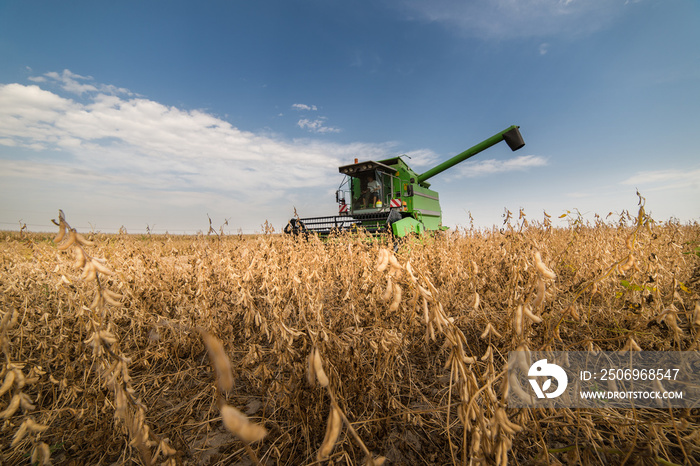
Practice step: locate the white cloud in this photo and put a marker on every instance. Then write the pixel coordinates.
(498, 19)
(664, 179)
(117, 143)
(474, 169)
(422, 158)
(314, 126)
(305, 107)
(7, 142)
(77, 84)
(317, 125)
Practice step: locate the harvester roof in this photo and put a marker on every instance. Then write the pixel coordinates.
(359, 169)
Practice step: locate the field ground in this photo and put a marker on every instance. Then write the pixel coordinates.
(105, 362)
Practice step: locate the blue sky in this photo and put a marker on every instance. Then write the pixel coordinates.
(158, 113)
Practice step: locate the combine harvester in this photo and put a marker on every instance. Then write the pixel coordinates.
(389, 197)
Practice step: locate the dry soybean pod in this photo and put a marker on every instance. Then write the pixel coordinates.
(397, 298)
(332, 432)
(388, 291)
(220, 361)
(543, 269)
(318, 367)
(238, 424)
(383, 260)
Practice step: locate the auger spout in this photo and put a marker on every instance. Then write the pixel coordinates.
(510, 135)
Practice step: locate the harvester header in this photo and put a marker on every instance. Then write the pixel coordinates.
(388, 196)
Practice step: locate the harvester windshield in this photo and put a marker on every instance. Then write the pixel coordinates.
(370, 185)
(366, 190)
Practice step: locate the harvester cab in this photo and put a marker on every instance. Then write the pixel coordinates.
(368, 186)
(388, 196)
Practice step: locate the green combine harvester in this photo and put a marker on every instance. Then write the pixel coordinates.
(389, 197)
